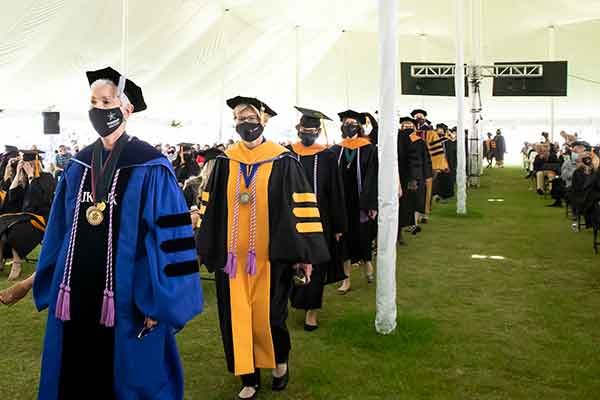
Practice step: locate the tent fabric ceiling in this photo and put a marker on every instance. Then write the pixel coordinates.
(189, 55)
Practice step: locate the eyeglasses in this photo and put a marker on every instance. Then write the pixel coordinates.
(253, 120)
(309, 131)
(351, 124)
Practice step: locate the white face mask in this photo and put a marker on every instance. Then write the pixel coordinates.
(368, 130)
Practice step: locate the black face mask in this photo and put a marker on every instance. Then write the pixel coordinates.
(349, 131)
(106, 122)
(249, 131)
(407, 131)
(307, 139)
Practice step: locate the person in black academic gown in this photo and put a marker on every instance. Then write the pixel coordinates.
(260, 227)
(320, 166)
(29, 199)
(357, 161)
(195, 185)
(8, 167)
(443, 184)
(410, 167)
(185, 164)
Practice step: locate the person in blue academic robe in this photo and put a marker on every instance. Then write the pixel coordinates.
(118, 271)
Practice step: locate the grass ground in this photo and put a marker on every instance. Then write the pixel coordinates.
(527, 327)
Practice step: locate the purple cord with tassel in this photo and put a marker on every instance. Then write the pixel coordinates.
(107, 317)
(63, 302)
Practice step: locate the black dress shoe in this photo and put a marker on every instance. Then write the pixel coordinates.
(540, 192)
(280, 384)
(310, 328)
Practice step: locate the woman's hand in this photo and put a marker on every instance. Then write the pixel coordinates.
(195, 214)
(29, 170)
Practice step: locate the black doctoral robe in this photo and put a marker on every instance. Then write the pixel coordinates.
(444, 185)
(360, 193)
(253, 292)
(410, 166)
(330, 198)
(23, 223)
(425, 173)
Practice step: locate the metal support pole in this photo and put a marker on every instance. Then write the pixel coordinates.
(475, 79)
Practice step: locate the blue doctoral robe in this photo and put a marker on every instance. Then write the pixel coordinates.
(156, 275)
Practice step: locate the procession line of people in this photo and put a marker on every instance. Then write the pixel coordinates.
(127, 229)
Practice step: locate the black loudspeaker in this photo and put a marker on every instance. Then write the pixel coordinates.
(553, 83)
(428, 86)
(51, 122)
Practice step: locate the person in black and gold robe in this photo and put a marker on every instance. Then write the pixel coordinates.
(320, 166)
(260, 230)
(410, 168)
(29, 199)
(443, 185)
(357, 160)
(422, 170)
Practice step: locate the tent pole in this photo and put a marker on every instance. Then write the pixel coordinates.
(461, 204)
(388, 179)
(422, 43)
(223, 72)
(346, 69)
(552, 57)
(124, 36)
(297, 65)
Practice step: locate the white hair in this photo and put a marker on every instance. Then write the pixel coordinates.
(107, 82)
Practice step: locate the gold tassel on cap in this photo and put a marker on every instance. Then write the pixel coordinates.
(37, 166)
(262, 114)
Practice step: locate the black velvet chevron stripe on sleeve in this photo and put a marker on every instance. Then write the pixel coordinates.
(174, 220)
(175, 245)
(182, 268)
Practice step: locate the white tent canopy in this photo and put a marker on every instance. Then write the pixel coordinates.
(188, 55)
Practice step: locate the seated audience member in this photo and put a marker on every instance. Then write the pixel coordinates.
(544, 166)
(62, 158)
(582, 183)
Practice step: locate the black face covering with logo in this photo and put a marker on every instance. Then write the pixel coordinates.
(106, 122)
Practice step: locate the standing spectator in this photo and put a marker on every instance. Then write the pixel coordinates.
(63, 157)
(500, 149)
(489, 148)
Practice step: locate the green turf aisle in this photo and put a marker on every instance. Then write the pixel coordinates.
(527, 327)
